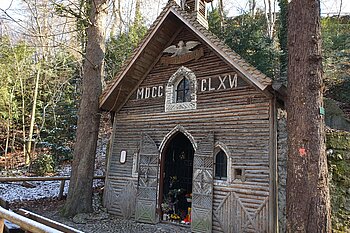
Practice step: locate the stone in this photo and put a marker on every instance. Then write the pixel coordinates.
(80, 218)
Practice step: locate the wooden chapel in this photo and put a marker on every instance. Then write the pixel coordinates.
(194, 131)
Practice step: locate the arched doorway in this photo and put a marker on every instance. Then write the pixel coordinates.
(176, 178)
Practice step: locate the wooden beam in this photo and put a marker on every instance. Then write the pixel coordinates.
(25, 223)
(47, 222)
(53, 178)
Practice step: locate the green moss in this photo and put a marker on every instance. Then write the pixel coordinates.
(338, 140)
(339, 171)
(332, 109)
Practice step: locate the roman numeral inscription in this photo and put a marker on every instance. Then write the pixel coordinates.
(214, 83)
(220, 82)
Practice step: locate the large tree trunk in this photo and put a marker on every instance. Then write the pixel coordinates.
(79, 198)
(308, 203)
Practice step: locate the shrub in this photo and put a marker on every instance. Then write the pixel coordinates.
(43, 164)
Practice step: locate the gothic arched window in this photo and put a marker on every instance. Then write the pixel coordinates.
(183, 93)
(221, 165)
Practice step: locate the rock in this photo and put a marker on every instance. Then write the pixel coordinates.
(98, 216)
(28, 184)
(347, 205)
(80, 218)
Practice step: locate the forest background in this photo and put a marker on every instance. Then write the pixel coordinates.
(42, 47)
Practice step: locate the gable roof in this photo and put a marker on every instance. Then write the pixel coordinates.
(149, 51)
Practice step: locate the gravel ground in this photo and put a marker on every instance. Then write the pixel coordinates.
(103, 222)
(99, 221)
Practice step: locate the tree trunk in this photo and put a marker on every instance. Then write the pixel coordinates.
(252, 7)
(270, 15)
(79, 198)
(8, 128)
(23, 119)
(282, 37)
(308, 202)
(137, 18)
(32, 118)
(221, 14)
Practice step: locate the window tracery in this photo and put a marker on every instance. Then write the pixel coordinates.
(181, 91)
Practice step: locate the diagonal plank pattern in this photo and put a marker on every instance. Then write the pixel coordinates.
(234, 217)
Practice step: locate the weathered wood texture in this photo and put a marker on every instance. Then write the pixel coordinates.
(43, 178)
(202, 199)
(25, 223)
(47, 222)
(146, 200)
(239, 118)
(139, 65)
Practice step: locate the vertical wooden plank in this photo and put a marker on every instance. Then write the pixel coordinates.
(108, 191)
(148, 181)
(271, 220)
(202, 200)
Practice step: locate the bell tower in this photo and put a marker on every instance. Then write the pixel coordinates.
(198, 9)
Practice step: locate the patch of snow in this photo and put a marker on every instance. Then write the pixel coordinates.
(14, 191)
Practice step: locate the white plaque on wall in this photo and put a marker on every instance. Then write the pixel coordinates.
(122, 157)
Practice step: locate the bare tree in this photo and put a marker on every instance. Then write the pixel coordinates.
(79, 198)
(116, 17)
(252, 7)
(308, 202)
(270, 15)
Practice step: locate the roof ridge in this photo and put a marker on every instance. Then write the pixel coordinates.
(221, 44)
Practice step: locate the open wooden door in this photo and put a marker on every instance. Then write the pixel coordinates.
(202, 191)
(146, 200)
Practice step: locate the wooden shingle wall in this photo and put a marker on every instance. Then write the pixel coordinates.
(238, 117)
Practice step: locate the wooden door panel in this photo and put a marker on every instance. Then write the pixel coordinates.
(202, 188)
(147, 181)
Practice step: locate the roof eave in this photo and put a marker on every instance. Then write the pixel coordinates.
(134, 58)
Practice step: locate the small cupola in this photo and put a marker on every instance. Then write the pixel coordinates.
(198, 9)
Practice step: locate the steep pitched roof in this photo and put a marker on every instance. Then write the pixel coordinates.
(150, 50)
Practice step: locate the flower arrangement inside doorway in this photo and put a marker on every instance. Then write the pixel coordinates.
(187, 220)
(175, 217)
(188, 197)
(167, 207)
(174, 193)
(170, 208)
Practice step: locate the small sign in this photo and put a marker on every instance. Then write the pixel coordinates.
(122, 157)
(322, 111)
